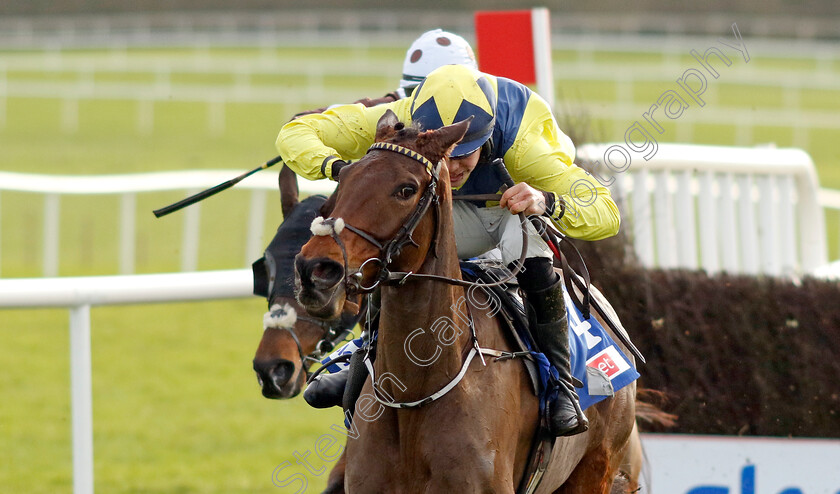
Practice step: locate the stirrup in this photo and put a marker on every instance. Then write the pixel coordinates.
(571, 395)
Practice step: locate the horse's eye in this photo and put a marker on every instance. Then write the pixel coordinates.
(405, 191)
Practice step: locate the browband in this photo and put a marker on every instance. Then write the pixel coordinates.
(406, 152)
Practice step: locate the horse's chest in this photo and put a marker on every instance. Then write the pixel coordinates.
(448, 453)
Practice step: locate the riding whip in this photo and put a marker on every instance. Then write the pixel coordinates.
(213, 190)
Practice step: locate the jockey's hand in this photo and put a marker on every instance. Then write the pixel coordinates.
(522, 198)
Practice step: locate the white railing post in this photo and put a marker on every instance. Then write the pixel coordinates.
(768, 233)
(747, 227)
(788, 256)
(81, 399)
(541, 37)
(728, 233)
(642, 219)
(686, 225)
(811, 222)
(708, 214)
(663, 209)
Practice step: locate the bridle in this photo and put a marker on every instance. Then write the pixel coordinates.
(335, 331)
(389, 249)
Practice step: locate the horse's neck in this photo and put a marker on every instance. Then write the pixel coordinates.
(424, 328)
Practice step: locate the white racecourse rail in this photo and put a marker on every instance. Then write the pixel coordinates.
(78, 295)
(127, 186)
(736, 209)
(751, 210)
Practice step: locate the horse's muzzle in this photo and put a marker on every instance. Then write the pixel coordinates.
(318, 286)
(275, 377)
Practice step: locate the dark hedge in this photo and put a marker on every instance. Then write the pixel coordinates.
(733, 354)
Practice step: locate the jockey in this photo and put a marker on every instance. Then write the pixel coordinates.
(510, 122)
(431, 50)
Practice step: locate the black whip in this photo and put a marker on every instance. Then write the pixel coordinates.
(213, 190)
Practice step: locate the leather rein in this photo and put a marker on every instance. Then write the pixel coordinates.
(389, 249)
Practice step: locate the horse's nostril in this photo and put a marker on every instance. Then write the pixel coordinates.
(322, 273)
(326, 273)
(276, 372)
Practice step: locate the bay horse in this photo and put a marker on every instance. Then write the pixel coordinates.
(283, 352)
(431, 417)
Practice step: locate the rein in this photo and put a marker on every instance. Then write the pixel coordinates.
(389, 249)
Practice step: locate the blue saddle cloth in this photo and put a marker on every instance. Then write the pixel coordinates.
(592, 347)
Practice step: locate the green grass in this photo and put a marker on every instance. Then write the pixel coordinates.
(176, 406)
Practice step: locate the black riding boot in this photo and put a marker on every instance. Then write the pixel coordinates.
(326, 390)
(550, 330)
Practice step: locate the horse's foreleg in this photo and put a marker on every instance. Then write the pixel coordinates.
(335, 482)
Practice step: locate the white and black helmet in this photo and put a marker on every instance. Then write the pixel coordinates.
(431, 50)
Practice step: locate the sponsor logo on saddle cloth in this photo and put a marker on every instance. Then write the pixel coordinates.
(595, 359)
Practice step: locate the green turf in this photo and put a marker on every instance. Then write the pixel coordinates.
(176, 406)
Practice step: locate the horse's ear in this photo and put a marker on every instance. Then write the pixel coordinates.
(288, 190)
(385, 125)
(436, 144)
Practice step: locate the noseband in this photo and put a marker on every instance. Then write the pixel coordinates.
(391, 248)
(335, 332)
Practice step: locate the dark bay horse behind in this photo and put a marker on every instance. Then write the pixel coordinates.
(438, 415)
(290, 337)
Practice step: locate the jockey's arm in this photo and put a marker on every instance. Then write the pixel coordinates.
(542, 156)
(310, 144)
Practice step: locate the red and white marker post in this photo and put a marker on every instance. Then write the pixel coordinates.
(517, 44)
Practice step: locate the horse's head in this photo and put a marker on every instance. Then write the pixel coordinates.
(288, 334)
(278, 361)
(379, 219)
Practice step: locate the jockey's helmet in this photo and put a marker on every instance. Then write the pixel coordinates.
(453, 93)
(432, 50)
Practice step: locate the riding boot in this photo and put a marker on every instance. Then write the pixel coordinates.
(326, 390)
(550, 330)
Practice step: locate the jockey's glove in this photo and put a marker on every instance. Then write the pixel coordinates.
(332, 166)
